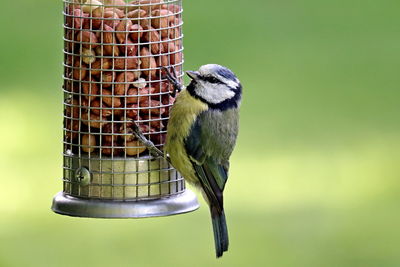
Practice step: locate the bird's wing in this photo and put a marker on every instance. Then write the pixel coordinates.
(208, 162)
(209, 146)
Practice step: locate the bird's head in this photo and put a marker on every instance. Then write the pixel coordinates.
(215, 85)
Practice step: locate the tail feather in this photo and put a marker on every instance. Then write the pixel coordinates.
(220, 231)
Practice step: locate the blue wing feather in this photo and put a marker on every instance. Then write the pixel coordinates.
(209, 145)
(204, 153)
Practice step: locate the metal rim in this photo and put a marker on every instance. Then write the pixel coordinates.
(93, 208)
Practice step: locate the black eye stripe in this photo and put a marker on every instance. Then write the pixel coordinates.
(211, 79)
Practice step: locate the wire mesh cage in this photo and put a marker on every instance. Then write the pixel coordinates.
(114, 52)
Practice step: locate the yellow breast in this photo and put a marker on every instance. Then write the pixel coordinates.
(183, 115)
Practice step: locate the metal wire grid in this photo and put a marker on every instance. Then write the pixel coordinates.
(101, 96)
(123, 180)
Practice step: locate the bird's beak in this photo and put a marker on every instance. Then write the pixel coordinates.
(193, 74)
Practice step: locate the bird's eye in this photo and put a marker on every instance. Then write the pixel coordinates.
(211, 79)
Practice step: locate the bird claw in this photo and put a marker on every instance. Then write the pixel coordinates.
(147, 143)
(172, 78)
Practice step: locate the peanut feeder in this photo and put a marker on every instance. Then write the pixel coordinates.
(113, 55)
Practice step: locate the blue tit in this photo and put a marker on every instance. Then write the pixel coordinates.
(201, 136)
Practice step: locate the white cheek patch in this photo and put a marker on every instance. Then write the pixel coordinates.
(214, 93)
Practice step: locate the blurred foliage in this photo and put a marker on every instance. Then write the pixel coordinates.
(315, 176)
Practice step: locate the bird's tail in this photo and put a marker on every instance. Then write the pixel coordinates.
(220, 231)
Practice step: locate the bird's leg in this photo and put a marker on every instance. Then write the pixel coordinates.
(147, 143)
(172, 78)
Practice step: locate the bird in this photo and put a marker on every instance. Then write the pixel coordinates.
(201, 136)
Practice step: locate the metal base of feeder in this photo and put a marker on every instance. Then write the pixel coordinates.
(93, 208)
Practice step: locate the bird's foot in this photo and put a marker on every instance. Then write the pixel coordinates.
(147, 143)
(172, 78)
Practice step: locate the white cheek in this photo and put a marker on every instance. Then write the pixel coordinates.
(214, 93)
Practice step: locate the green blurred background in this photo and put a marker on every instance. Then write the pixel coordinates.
(314, 178)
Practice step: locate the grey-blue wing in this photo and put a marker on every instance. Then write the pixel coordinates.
(210, 144)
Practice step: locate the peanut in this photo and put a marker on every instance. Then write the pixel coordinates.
(109, 130)
(133, 92)
(112, 19)
(129, 48)
(88, 39)
(176, 58)
(156, 124)
(119, 112)
(99, 50)
(144, 22)
(109, 138)
(109, 38)
(162, 22)
(129, 63)
(80, 71)
(97, 13)
(134, 148)
(169, 46)
(135, 14)
(123, 30)
(132, 111)
(154, 38)
(154, 106)
(106, 17)
(119, 12)
(174, 33)
(94, 121)
(164, 13)
(107, 79)
(91, 5)
(136, 32)
(162, 87)
(99, 65)
(124, 79)
(149, 64)
(100, 110)
(88, 143)
(136, 95)
(77, 20)
(106, 149)
(110, 100)
(90, 89)
(147, 91)
(88, 56)
(109, 149)
(163, 61)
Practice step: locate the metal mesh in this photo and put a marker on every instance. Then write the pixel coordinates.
(114, 52)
